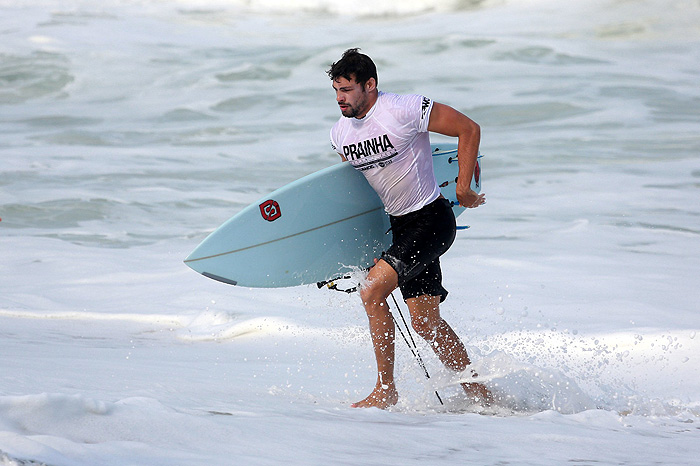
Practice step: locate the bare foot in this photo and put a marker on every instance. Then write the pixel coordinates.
(478, 393)
(381, 397)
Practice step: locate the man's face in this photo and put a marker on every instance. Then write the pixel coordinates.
(352, 98)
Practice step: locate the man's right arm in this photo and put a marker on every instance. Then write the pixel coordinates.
(448, 121)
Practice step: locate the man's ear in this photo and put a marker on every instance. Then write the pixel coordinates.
(370, 85)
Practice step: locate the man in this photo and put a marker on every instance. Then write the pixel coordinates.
(386, 137)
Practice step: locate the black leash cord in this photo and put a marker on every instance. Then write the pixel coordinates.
(414, 348)
(331, 285)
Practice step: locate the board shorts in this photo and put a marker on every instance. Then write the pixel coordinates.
(419, 239)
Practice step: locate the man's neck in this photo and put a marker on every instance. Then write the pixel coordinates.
(371, 101)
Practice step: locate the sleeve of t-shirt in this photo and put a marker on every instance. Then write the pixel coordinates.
(411, 111)
(334, 145)
(426, 106)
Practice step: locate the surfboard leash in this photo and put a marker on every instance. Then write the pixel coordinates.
(411, 346)
(332, 285)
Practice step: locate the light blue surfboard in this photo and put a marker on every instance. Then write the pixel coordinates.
(314, 229)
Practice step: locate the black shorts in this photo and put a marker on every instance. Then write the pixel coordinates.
(419, 239)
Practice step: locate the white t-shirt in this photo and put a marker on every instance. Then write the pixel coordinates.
(391, 147)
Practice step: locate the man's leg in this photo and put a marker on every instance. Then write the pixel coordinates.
(381, 281)
(426, 321)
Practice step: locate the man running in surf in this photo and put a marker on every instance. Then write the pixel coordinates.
(385, 136)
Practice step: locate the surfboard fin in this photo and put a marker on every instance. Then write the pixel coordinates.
(219, 279)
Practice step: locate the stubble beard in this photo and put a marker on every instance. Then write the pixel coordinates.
(353, 111)
(350, 112)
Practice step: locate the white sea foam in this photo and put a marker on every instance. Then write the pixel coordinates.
(131, 129)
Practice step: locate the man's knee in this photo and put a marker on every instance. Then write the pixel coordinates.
(373, 295)
(379, 284)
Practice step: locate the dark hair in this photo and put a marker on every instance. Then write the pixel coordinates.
(354, 63)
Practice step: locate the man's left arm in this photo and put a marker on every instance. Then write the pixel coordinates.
(448, 121)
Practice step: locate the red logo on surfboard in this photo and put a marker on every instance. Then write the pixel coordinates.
(270, 210)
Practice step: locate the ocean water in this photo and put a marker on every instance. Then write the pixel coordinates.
(129, 130)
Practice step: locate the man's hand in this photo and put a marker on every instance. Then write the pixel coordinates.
(470, 199)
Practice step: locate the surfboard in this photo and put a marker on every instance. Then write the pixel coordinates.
(317, 228)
